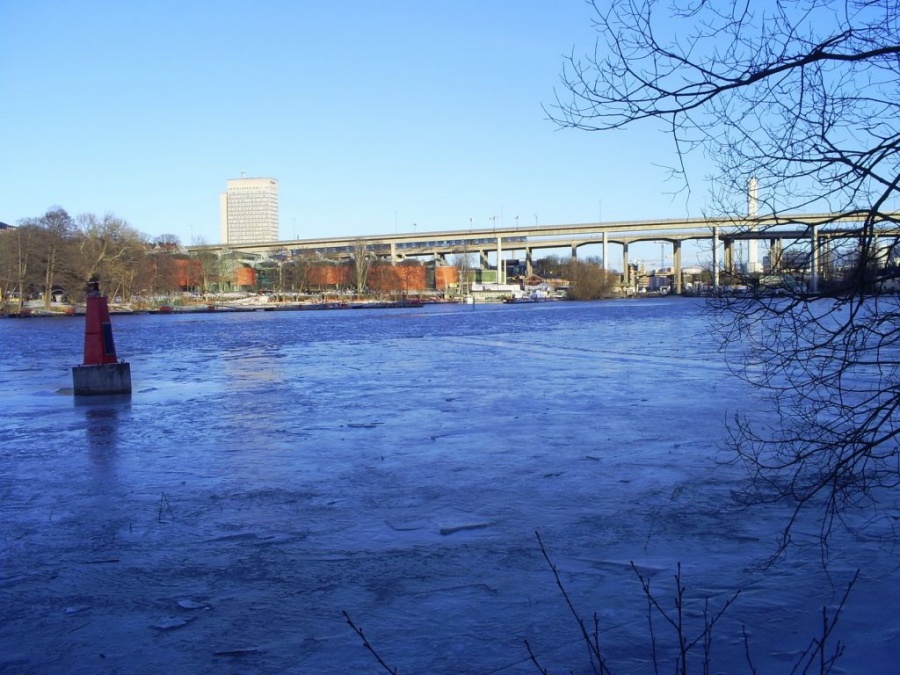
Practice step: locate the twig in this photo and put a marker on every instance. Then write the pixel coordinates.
(677, 622)
(653, 649)
(164, 504)
(817, 646)
(533, 657)
(747, 650)
(598, 662)
(367, 644)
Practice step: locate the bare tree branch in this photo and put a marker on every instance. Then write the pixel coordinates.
(803, 97)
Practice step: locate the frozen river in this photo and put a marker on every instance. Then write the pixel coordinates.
(274, 469)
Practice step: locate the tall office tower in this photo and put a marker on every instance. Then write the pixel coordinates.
(249, 210)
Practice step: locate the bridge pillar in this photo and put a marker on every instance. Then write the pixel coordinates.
(774, 255)
(605, 260)
(814, 259)
(574, 251)
(753, 265)
(529, 263)
(483, 259)
(626, 274)
(715, 257)
(393, 252)
(729, 256)
(501, 272)
(676, 265)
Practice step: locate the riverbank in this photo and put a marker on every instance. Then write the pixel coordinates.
(253, 304)
(70, 310)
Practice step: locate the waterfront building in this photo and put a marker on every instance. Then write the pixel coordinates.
(249, 211)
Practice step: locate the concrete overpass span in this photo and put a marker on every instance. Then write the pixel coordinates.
(484, 242)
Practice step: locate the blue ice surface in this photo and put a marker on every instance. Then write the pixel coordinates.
(273, 469)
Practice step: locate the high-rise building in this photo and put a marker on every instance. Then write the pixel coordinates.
(249, 209)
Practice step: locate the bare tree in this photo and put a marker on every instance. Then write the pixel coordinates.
(362, 262)
(301, 265)
(16, 252)
(409, 273)
(8, 272)
(111, 250)
(589, 281)
(799, 98)
(549, 266)
(209, 269)
(167, 242)
(52, 251)
(463, 263)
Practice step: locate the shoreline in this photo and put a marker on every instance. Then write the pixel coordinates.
(32, 313)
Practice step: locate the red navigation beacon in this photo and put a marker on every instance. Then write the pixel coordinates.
(101, 372)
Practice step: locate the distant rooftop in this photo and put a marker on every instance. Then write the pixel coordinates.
(4, 226)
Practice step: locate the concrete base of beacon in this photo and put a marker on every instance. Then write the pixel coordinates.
(103, 379)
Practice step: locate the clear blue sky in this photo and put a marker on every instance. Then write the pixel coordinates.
(373, 116)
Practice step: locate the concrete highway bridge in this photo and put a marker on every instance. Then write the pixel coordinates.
(720, 237)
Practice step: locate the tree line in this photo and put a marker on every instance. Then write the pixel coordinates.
(52, 257)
